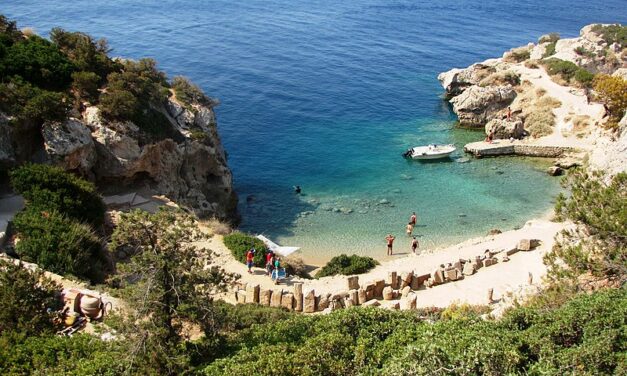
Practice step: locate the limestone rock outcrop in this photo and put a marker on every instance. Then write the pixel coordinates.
(477, 105)
(69, 145)
(456, 80)
(505, 129)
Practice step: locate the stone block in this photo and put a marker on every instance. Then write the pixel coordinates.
(287, 301)
(372, 303)
(298, 297)
(323, 302)
(264, 297)
(353, 282)
(241, 296)
(353, 295)
(408, 302)
(252, 293)
(379, 286)
(437, 276)
(388, 293)
(489, 262)
(405, 291)
(309, 302)
(361, 296)
(275, 301)
(370, 287)
(469, 269)
(451, 274)
(524, 245)
(339, 295)
(511, 251)
(348, 302)
(406, 279)
(392, 280)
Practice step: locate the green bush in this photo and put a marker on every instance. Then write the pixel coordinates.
(549, 50)
(118, 104)
(612, 34)
(188, 93)
(38, 61)
(347, 265)
(59, 244)
(25, 297)
(239, 244)
(46, 105)
(85, 84)
(49, 188)
(568, 71)
(551, 37)
(243, 316)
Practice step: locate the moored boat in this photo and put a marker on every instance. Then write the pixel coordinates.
(432, 151)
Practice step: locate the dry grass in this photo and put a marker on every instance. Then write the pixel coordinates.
(501, 78)
(537, 110)
(517, 55)
(531, 64)
(215, 227)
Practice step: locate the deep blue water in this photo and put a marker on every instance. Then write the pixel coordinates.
(327, 94)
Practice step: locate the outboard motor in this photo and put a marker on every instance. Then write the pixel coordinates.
(408, 153)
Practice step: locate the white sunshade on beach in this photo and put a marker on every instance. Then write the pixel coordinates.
(274, 247)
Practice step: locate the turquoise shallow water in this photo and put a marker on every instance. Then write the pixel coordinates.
(327, 94)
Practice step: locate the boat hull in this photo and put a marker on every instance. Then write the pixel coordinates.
(430, 152)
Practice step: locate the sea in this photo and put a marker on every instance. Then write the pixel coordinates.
(327, 95)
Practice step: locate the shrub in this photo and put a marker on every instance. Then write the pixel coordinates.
(188, 93)
(59, 244)
(243, 316)
(347, 265)
(517, 55)
(85, 53)
(501, 78)
(612, 34)
(568, 71)
(45, 105)
(551, 37)
(25, 297)
(612, 91)
(239, 244)
(582, 51)
(549, 50)
(38, 61)
(118, 104)
(49, 188)
(584, 77)
(85, 85)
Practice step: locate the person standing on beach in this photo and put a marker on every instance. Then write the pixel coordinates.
(509, 113)
(269, 262)
(413, 219)
(390, 239)
(414, 244)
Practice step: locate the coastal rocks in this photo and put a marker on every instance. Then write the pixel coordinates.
(190, 171)
(456, 81)
(477, 105)
(69, 145)
(505, 129)
(555, 171)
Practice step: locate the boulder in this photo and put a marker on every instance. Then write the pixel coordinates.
(524, 245)
(408, 302)
(370, 291)
(415, 283)
(388, 293)
(298, 297)
(451, 274)
(406, 290)
(478, 105)
(287, 301)
(264, 297)
(69, 145)
(324, 301)
(353, 282)
(503, 129)
(275, 301)
(456, 80)
(252, 293)
(555, 171)
(309, 302)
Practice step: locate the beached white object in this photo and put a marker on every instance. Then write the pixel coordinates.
(274, 247)
(430, 151)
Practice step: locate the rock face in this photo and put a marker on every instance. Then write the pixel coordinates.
(183, 160)
(505, 129)
(477, 105)
(456, 81)
(69, 145)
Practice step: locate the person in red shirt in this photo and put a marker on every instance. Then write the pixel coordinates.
(250, 256)
(269, 262)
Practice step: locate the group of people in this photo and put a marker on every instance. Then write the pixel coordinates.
(273, 262)
(409, 229)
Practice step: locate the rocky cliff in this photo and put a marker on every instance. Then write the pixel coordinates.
(481, 94)
(189, 166)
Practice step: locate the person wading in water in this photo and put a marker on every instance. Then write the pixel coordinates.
(390, 239)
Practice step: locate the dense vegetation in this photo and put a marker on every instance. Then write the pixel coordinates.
(612, 91)
(347, 265)
(612, 34)
(568, 71)
(239, 244)
(57, 229)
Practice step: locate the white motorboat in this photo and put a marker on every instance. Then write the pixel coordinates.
(432, 151)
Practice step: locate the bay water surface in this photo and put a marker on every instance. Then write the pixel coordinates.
(328, 94)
